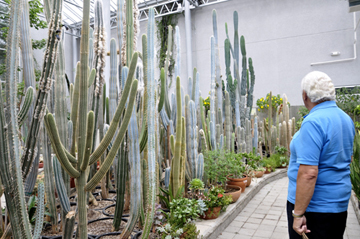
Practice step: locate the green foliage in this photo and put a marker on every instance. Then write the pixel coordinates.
(189, 231)
(35, 9)
(348, 100)
(215, 197)
(263, 103)
(196, 184)
(219, 164)
(302, 112)
(167, 196)
(162, 37)
(38, 44)
(280, 150)
(182, 211)
(275, 160)
(355, 166)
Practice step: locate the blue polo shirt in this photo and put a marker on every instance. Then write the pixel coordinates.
(325, 139)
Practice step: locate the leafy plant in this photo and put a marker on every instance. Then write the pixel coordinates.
(302, 112)
(355, 166)
(189, 231)
(196, 184)
(280, 150)
(219, 164)
(215, 197)
(182, 210)
(263, 103)
(348, 100)
(168, 196)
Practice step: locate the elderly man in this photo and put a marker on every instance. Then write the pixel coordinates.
(319, 172)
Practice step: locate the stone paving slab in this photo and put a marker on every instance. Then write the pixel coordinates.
(265, 216)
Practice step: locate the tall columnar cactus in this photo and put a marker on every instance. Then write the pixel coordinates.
(205, 130)
(193, 141)
(135, 175)
(120, 30)
(151, 163)
(10, 163)
(256, 134)
(113, 79)
(231, 85)
(99, 62)
(44, 85)
(250, 92)
(270, 123)
(228, 121)
(26, 55)
(176, 163)
(243, 86)
(217, 62)
(286, 119)
(212, 93)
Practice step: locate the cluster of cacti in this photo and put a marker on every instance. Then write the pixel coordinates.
(148, 135)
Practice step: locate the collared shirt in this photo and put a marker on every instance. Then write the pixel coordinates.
(325, 139)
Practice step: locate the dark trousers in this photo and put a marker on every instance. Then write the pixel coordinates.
(321, 225)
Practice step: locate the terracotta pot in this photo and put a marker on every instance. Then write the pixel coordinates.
(267, 171)
(236, 179)
(41, 165)
(248, 181)
(259, 174)
(242, 185)
(212, 213)
(235, 195)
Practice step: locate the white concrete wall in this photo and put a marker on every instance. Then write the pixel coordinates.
(283, 37)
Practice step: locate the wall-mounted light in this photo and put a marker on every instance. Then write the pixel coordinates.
(335, 53)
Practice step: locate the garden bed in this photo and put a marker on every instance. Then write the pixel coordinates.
(210, 229)
(355, 203)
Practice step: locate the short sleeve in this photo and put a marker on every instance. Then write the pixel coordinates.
(309, 144)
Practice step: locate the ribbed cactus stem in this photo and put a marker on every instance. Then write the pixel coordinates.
(270, 122)
(175, 178)
(44, 84)
(243, 86)
(217, 61)
(151, 85)
(251, 88)
(113, 94)
(192, 142)
(228, 121)
(212, 93)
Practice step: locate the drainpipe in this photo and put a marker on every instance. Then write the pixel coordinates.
(188, 38)
(342, 60)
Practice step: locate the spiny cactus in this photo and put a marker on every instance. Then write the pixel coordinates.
(113, 94)
(151, 113)
(192, 141)
(243, 86)
(250, 92)
(217, 62)
(212, 93)
(228, 121)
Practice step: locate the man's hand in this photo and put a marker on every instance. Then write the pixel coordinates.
(299, 225)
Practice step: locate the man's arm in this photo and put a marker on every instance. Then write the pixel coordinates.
(305, 186)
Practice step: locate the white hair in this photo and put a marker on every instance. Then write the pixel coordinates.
(318, 87)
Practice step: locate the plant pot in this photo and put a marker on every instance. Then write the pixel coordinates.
(267, 171)
(234, 195)
(248, 181)
(241, 182)
(211, 213)
(242, 185)
(259, 174)
(41, 165)
(282, 166)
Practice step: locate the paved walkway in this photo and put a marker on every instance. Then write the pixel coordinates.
(265, 216)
